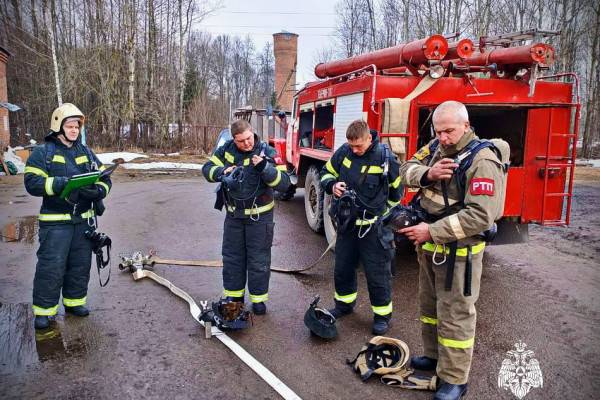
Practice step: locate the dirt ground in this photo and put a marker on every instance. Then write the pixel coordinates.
(141, 343)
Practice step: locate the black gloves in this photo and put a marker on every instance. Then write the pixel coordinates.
(260, 167)
(92, 192)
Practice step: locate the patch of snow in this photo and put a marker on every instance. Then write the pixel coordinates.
(107, 158)
(595, 163)
(162, 165)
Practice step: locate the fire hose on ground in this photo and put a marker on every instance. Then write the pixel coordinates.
(138, 265)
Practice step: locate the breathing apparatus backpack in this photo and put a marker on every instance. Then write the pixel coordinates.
(226, 315)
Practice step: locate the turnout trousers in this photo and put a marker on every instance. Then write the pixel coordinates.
(64, 261)
(375, 252)
(247, 256)
(448, 317)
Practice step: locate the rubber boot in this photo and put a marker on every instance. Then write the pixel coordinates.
(423, 363)
(78, 311)
(381, 324)
(449, 391)
(259, 308)
(41, 322)
(341, 309)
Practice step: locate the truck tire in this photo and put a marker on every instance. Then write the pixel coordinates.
(313, 200)
(287, 195)
(328, 223)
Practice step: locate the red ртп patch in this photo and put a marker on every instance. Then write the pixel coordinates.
(482, 186)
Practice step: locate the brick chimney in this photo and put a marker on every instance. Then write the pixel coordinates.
(4, 125)
(285, 47)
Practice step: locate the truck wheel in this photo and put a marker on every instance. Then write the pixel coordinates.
(287, 195)
(328, 223)
(313, 200)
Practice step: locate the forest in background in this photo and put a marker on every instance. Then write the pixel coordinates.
(146, 74)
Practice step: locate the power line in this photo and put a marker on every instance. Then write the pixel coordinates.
(276, 12)
(264, 34)
(270, 26)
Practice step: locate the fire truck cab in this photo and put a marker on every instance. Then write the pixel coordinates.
(396, 90)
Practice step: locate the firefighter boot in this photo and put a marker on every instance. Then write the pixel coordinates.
(259, 308)
(341, 309)
(236, 299)
(381, 324)
(41, 322)
(423, 363)
(78, 311)
(448, 391)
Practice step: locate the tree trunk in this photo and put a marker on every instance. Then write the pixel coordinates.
(50, 26)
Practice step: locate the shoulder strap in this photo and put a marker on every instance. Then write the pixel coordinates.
(90, 157)
(50, 147)
(469, 153)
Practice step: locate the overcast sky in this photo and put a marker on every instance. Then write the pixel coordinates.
(312, 20)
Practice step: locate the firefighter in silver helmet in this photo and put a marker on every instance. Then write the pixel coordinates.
(65, 254)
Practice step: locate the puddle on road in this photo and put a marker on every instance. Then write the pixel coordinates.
(66, 338)
(23, 229)
(52, 344)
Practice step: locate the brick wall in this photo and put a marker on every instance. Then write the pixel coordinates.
(4, 131)
(285, 47)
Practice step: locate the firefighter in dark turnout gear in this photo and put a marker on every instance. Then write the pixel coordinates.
(362, 175)
(248, 173)
(65, 254)
(449, 246)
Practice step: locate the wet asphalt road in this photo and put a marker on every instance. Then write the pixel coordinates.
(140, 341)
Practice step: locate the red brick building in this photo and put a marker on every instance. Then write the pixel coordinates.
(4, 125)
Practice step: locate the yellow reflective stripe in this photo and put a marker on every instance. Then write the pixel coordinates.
(393, 203)
(255, 210)
(428, 320)
(81, 159)
(348, 298)
(382, 310)
(58, 159)
(331, 170)
(102, 168)
(360, 222)
(276, 181)
(88, 214)
(74, 302)
(281, 167)
(396, 183)
(461, 251)
(346, 162)
(48, 186)
(217, 161)
(104, 185)
(375, 169)
(258, 210)
(456, 344)
(327, 176)
(229, 157)
(36, 171)
(211, 172)
(246, 161)
(45, 311)
(54, 217)
(258, 298)
(233, 293)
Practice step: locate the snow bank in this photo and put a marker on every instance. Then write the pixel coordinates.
(162, 165)
(107, 158)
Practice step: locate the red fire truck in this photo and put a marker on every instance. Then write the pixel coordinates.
(396, 90)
